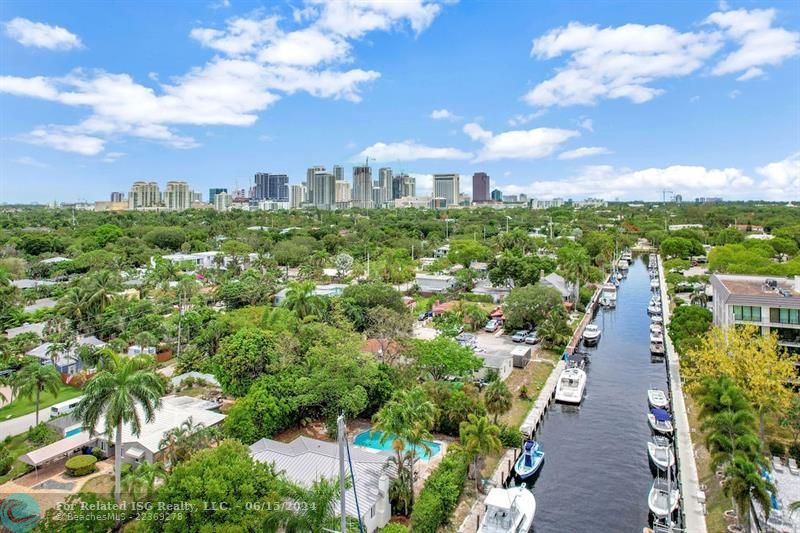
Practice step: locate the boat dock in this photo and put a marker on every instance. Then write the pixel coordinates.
(692, 497)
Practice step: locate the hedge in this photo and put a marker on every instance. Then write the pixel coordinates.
(80, 465)
(394, 527)
(439, 496)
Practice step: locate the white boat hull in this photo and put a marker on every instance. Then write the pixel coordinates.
(659, 457)
(663, 503)
(500, 520)
(662, 428)
(657, 398)
(571, 386)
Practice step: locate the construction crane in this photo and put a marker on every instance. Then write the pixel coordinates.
(664, 195)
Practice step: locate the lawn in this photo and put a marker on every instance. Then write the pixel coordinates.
(16, 446)
(23, 406)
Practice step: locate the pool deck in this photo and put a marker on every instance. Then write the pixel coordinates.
(692, 499)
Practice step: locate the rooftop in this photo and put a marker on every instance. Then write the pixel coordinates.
(758, 285)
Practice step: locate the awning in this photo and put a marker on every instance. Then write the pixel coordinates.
(661, 415)
(134, 453)
(57, 449)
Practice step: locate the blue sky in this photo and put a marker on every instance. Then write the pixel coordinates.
(567, 99)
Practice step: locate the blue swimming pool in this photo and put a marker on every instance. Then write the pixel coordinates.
(374, 441)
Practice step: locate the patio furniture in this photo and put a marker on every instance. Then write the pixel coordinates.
(777, 464)
(793, 467)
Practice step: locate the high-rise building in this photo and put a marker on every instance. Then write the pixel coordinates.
(338, 172)
(297, 196)
(117, 196)
(362, 187)
(144, 195)
(497, 195)
(222, 200)
(480, 187)
(385, 184)
(403, 186)
(177, 196)
(271, 187)
(197, 196)
(310, 180)
(446, 186)
(213, 192)
(323, 195)
(343, 194)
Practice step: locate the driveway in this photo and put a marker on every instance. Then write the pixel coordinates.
(16, 426)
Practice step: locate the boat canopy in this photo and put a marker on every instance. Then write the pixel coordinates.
(529, 445)
(661, 415)
(498, 498)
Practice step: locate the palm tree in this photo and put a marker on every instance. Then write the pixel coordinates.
(406, 419)
(74, 305)
(401, 491)
(181, 442)
(125, 391)
(101, 290)
(33, 379)
(301, 299)
(312, 508)
(474, 315)
(744, 482)
(698, 297)
(575, 263)
(497, 398)
(479, 437)
(730, 433)
(143, 479)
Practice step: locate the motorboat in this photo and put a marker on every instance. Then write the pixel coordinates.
(655, 284)
(656, 328)
(661, 454)
(605, 301)
(660, 421)
(663, 498)
(571, 385)
(657, 398)
(627, 256)
(591, 334)
(656, 338)
(656, 319)
(508, 510)
(622, 264)
(657, 348)
(531, 459)
(619, 276)
(654, 309)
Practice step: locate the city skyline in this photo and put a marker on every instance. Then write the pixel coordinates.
(578, 107)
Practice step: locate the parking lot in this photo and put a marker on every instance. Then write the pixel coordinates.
(497, 343)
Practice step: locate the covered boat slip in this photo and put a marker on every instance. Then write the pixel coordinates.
(59, 449)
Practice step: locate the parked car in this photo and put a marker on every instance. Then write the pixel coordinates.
(520, 335)
(425, 315)
(492, 326)
(467, 339)
(532, 338)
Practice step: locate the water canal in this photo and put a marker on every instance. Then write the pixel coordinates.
(596, 475)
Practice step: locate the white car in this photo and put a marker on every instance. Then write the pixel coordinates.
(492, 326)
(520, 335)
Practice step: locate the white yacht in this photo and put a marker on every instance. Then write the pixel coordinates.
(508, 511)
(591, 334)
(656, 337)
(656, 328)
(657, 398)
(659, 449)
(657, 348)
(663, 498)
(655, 284)
(657, 319)
(660, 421)
(654, 309)
(571, 385)
(622, 264)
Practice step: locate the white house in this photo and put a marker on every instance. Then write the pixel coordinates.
(66, 362)
(305, 460)
(502, 364)
(430, 283)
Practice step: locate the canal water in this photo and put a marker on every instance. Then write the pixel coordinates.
(596, 475)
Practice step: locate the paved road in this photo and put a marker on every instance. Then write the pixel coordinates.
(15, 426)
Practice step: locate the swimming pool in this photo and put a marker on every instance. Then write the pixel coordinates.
(374, 441)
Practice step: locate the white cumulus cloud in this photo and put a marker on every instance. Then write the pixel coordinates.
(584, 151)
(409, 151)
(444, 114)
(782, 178)
(517, 144)
(40, 35)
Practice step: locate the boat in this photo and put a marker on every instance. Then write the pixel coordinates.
(663, 498)
(656, 338)
(654, 309)
(622, 264)
(508, 510)
(661, 454)
(605, 301)
(591, 334)
(655, 284)
(571, 385)
(657, 398)
(656, 319)
(619, 276)
(657, 348)
(530, 461)
(656, 328)
(660, 421)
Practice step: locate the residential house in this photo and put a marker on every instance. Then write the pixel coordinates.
(305, 460)
(501, 364)
(37, 328)
(41, 303)
(434, 283)
(558, 283)
(66, 362)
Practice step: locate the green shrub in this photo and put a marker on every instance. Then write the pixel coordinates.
(80, 465)
(586, 296)
(776, 448)
(510, 437)
(97, 452)
(479, 298)
(394, 527)
(441, 492)
(5, 461)
(41, 435)
(794, 451)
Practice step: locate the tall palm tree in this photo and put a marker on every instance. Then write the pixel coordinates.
(574, 261)
(181, 442)
(74, 305)
(406, 419)
(479, 437)
(699, 297)
(497, 398)
(33, 379)
(101, 288)
(313, 508)
(730, 433)
(744, 482)
(401, 491)
(125, 391)
(301, 299)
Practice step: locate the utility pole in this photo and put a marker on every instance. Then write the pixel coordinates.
(341, 436)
